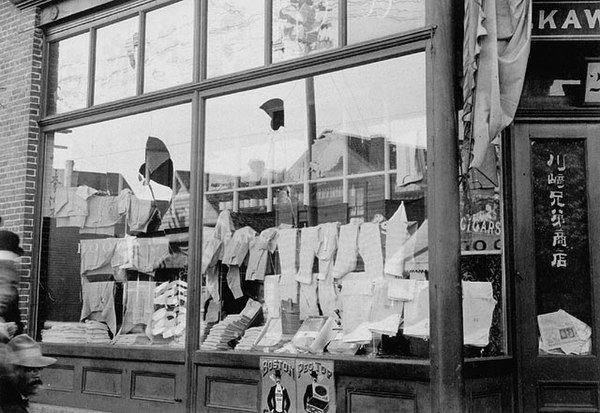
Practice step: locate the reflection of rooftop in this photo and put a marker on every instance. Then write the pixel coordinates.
(364, 155)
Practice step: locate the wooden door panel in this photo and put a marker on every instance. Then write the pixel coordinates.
(555, 382)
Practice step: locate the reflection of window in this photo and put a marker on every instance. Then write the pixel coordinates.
(116, 214)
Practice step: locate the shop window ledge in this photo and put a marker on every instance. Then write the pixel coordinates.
(159, 355)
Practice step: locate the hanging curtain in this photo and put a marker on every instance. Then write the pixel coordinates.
(497, 38)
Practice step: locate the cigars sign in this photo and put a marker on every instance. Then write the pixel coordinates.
(566, 20)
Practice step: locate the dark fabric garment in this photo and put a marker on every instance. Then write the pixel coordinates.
(14, 315)
(11, 401)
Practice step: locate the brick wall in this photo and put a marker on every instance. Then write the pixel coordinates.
(20, 87)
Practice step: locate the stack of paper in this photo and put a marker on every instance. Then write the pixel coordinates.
(231, 328)
(222, 333)
(248, 339)
(561, 333)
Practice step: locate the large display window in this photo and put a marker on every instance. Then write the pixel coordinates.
(115, 231)
(315, 218)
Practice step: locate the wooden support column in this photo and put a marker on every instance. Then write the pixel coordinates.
(445, 292)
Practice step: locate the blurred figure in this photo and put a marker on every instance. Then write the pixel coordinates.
(25, 356)
(10, 317)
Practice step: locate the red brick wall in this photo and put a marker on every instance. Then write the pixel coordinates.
(20, 87)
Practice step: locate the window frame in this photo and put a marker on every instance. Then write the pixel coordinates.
(197, 92)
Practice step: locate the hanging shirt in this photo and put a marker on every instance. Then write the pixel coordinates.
(259, 249)
(96, 255)
(103, 213)
(70, 205)
(237, 248)
(99, 303)
(150, 253)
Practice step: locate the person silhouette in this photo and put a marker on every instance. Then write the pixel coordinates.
(278, 399)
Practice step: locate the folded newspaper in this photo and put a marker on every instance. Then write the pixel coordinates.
(561, 333)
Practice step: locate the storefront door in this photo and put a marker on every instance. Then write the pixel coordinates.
(556, 218)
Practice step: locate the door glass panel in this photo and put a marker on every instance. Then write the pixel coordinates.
(564, 307)
(481, 261)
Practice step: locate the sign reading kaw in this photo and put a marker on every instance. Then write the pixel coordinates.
(566, 20)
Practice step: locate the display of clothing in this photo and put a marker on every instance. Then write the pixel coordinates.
(237, 248)
(370, 250)
(286, 245)
(149, 253)
(347, 254)
(308, 300)
(96, 255)
(103, 213)
(71, 205)
(259, 249)
(139, 211)
(328, 244)
(309, 244)
(99, 303)
(138, 301)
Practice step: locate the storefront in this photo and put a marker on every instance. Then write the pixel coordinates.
(223, 201)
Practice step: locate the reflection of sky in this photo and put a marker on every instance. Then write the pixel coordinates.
(376, 18)
(73, 55)
(116, 55)
(118, 146)
(235, 35)
(169, 46)
(385, 98)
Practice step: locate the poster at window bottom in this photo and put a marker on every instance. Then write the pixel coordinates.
(297, 386)
(315, 386)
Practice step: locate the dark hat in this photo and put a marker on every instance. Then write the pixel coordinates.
(278, 373)
(9, 241)
(313, 374)
(27, 353)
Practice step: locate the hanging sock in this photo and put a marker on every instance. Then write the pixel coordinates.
(328, 243)
(309, 242)
(369, 247)
(328, 297)
(308, 300)
(286, 244)
(233, 281)
(345, 261)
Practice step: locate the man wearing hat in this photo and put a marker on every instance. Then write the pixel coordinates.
(27, 361)
(10, 317)
(310, 389)
(278, 399)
